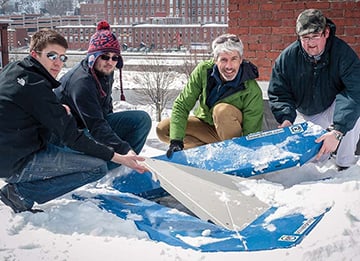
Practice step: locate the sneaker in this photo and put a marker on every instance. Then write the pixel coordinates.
(11, 198)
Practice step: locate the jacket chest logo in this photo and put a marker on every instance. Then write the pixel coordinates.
(21, 81)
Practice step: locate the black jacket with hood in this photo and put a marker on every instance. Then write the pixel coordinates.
(89, 98)
(299, 83)
(30, 112)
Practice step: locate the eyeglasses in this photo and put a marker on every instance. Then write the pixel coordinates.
(226, 38)
(307, 39)
(114, 58)
(53, 56)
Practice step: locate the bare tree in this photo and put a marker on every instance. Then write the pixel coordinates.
(58, 7)
(156, 80)
(191, 61)
(4, 5)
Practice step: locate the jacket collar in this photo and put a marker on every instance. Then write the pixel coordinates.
(30, 61)
(247, 71)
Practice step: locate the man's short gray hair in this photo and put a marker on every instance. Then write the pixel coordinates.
(227, 43)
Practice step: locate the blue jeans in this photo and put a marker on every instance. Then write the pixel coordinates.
(132, 127)
(56, 171)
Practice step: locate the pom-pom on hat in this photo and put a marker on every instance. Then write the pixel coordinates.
(103, 41)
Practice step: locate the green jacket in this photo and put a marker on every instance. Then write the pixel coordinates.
(246, 96)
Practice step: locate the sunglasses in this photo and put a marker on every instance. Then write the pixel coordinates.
(53, 56)
(114, 58)
(226, 38)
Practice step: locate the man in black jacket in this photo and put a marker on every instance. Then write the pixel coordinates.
(87, 90)
(319, 76)
(34, 169)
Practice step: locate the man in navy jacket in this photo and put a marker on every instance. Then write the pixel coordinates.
(319, 76)
(87, 90)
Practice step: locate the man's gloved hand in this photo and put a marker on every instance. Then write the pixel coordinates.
(175, 145)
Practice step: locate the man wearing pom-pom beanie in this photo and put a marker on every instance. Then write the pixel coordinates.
(87, 90)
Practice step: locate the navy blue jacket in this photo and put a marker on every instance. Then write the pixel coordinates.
(30, 112)
(80, 91)
(299, 83)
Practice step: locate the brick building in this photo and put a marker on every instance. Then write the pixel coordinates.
(93, 9)
(158, 37)
(267, 27)
(21, 27)
(162, 25)
(182, 11)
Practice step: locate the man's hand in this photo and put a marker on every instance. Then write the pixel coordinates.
(175, 145)
(330, 143)
(286, 123)
(130, 160)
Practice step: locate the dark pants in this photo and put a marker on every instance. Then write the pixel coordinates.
(131, 126)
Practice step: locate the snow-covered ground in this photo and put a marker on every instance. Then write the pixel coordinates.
(77, 230)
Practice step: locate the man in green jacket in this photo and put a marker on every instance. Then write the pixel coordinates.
(230, 102)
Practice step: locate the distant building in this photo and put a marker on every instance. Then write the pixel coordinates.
(179, 11)
(150, 37)
(21, 27)
(93, 9)
(141, 25)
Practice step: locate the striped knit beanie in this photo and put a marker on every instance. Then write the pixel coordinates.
(103, 41)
